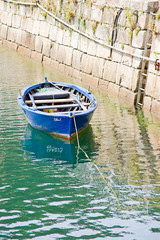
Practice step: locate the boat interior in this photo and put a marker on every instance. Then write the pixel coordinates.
(52, 98)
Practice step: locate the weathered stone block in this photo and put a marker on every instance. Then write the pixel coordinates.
(29, 25)
(38, 44)
(139, 39)
(86, 12)
(74, 40)
(96, 14)
(3, 32)
(127, 95)
(143, 19)
(22, 10)
(76, 60)
(137, 61)
(61, 67)
(24, 51)
(9, 19)
(46, 46)
(1, 5)
(89, 80)
(113, 89)
(68, 56)
(127, 58)
(4, 17)
(24, 23)
(83, 44)
(46, 61)
(68, 70)
(123, 36)
(59, 38)
(147, 103)
(28, 40)
(10, 45)
(67, 38)
(103, 52)
(61, 54)
(36, 12)
(54, 64)
(36, 27)
(101, 32)
(44, 29)
(155, 44)
(53, 33)
(108, 15)
(28, 11)
(103, 85)
(135, 79)
(155, 108)
(150, 85)
(125, 75)
(11, 34)
(156, 89)
(87, 63)
(98, 67)
(151, 67)
(54, 51)
(36, 56)
(110, 70)
(76, 74)
(18, 36)
(92, 48)
(89, 29)
(16, 21)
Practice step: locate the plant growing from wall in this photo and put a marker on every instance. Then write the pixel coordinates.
(129, 34)
(137, 30)
(158, 15)
(44, 14)
(108, 39)
(89, 3)
(94, 26)
(69, 14)
(153, 27)
(122, 46)
(132, 17)
(83, 23)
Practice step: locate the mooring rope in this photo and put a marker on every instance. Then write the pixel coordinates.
(79, 148)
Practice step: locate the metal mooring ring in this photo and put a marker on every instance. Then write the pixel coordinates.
(157, 64)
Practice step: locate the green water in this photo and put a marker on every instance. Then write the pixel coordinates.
(47, 191)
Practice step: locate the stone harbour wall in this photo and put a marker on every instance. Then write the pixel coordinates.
(35, 33)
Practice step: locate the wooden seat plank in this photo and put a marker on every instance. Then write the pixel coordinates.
(50, 101)
(60, 106)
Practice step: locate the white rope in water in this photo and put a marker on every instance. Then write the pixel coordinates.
(79, 147)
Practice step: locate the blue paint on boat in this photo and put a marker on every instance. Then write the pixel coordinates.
(57, 123)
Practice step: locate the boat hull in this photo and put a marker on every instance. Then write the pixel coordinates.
(60, 124)
(63, 126)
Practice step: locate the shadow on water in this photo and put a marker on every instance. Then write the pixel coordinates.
(43, 147)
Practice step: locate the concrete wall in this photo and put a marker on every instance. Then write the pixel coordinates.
(35, 34)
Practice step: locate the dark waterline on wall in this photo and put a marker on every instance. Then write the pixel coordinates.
(47, 191)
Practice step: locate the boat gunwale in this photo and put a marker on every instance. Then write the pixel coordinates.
(85, 92)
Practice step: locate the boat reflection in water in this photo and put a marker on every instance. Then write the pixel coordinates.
(43, 147)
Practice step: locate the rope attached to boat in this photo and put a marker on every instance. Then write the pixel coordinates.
(79, 148)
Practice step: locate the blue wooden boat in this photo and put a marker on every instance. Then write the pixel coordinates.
(57, 108)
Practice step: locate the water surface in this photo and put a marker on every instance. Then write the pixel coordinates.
(48, 191)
